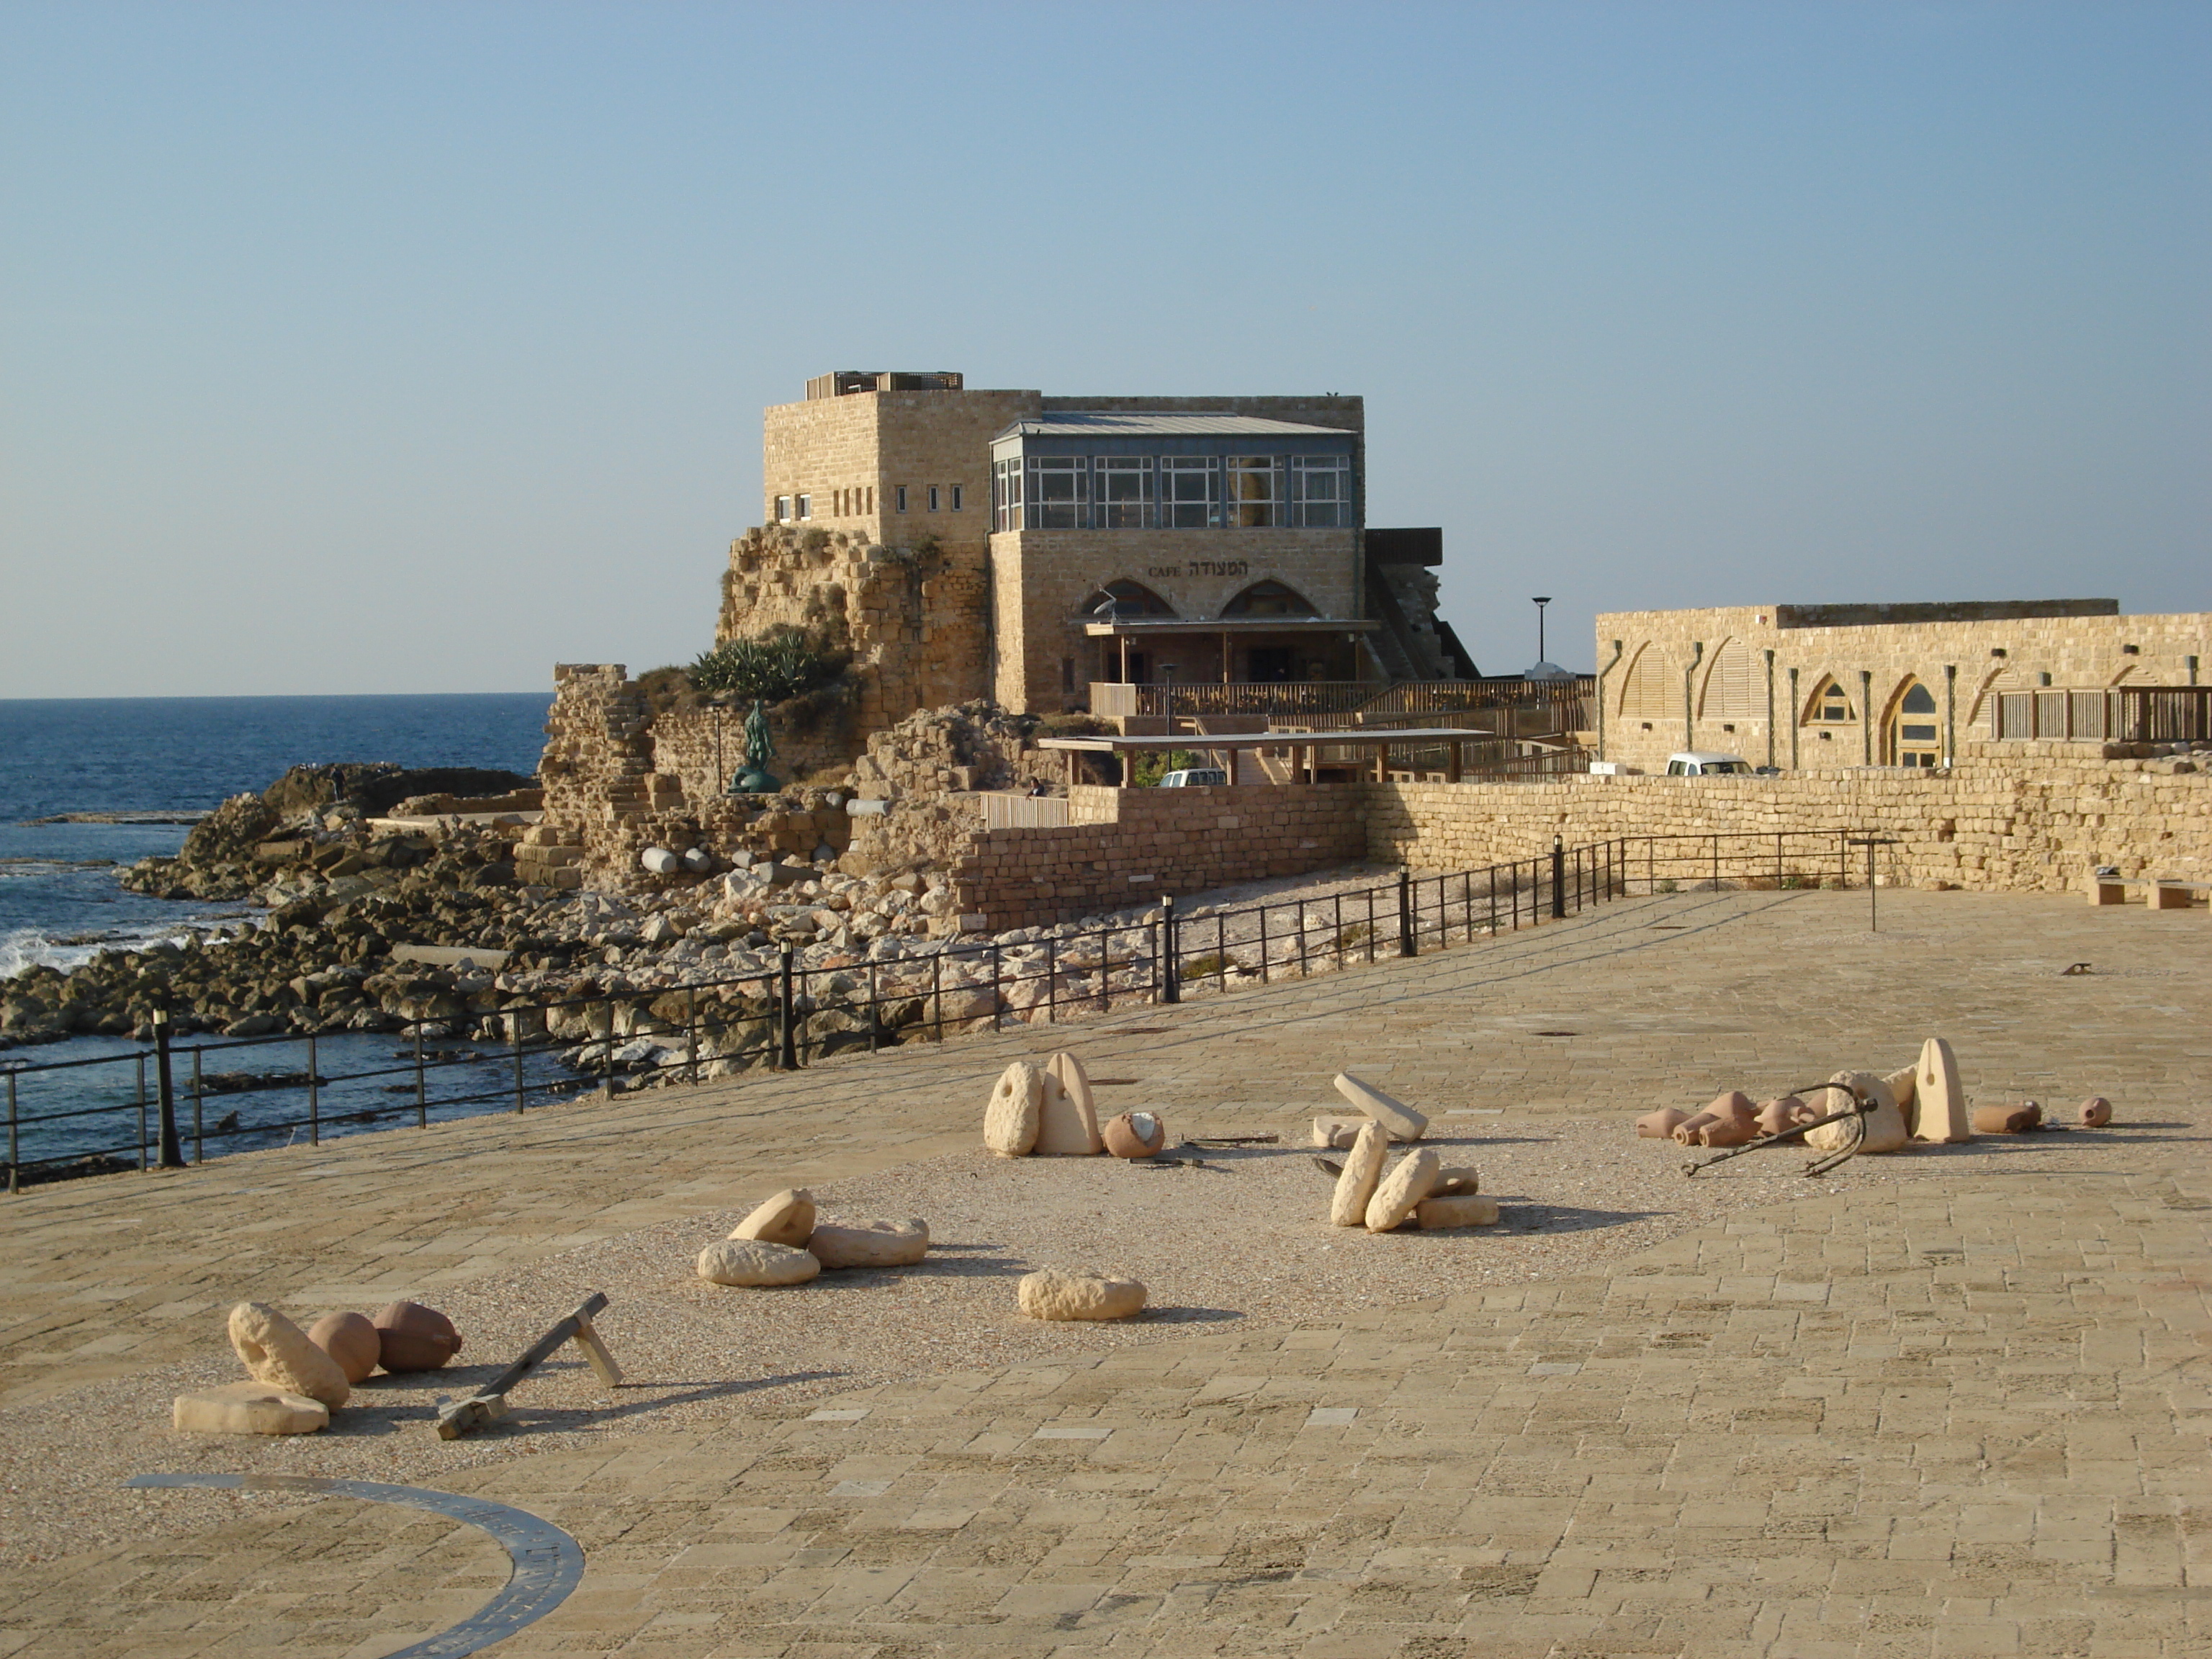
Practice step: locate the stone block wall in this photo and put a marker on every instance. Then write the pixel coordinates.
(1982, 825)
(1130, 845)
(1041, 578)
(914, 620)
(1961, 653)
(701, 747)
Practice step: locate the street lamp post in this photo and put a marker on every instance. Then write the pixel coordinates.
(1539, 602)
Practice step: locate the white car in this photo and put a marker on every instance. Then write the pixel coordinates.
(1700, 763)
(1194, 777)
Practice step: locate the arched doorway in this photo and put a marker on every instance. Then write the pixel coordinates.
(1912, 735)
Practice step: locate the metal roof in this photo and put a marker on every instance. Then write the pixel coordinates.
(1114, 423)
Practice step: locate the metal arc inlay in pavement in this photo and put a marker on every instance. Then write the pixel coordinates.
(547, 1562)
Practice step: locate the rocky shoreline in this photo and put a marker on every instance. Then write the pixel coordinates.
(359, 868)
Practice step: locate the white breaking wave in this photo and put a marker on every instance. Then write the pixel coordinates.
(22, 948)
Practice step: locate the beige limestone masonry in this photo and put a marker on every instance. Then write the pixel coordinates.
(1040, 580)
(1982, 826)
(1128, 847)
(1651, 713)
(912, 619)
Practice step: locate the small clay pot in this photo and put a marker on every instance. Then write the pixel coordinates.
(1728, 1121)
(1787, 1113)
(1661, 1124)
(2013, 1120)
(413, 1338)
(2096, 1112)
(1134, 1135)
(349, 1339)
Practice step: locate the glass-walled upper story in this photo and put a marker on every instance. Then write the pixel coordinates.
(1074, 471)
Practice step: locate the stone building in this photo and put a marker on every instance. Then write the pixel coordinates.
(1024, 548)
(1830, 685)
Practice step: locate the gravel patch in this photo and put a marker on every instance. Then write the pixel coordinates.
(1239, 1243)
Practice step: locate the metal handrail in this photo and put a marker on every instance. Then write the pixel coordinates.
(1162, 958)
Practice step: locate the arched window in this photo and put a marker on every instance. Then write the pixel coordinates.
(1732, 687)
(1268, 598)
(1911, 734)
(1126, 598)
(1643, 688)
(1831, 704)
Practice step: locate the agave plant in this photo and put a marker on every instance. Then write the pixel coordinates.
(780, 665)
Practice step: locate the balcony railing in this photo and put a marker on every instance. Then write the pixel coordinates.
(2125, 713)
(1313, 699)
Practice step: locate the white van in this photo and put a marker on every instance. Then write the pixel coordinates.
(1193, 777)
(1699, 764)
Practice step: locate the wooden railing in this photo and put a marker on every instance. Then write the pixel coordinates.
(1004, 812)
(1312, 699)
(2125, 713)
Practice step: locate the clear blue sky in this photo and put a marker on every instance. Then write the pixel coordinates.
(393, 347)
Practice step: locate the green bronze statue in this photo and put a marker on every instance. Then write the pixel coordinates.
(754, 778)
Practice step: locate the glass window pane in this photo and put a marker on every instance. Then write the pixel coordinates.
(1189, 491)
(1251, 487)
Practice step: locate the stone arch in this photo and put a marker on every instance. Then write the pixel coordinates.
(1733, 690)
(2007, 678)
(1269, 598)
(1912, 725)
(1125, 597)
(1644, 689)
(1819, 707)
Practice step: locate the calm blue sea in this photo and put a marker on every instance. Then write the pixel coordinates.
(58, 896)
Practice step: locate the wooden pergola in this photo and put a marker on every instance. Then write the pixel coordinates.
(1373, 744)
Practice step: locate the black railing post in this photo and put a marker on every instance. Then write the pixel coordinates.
(515, 1040)
(998, 996)
(691, 1031)
(788, 1056)
(199, 1138)
(1405, 946)
(172, 1155)
(421, 1095)
(314, 1097)
(12, 1184)
(1170, 988)
(1559, 880)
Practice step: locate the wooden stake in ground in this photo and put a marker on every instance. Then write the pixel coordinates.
(489, 1404)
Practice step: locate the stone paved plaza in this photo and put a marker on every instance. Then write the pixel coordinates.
(1954, 1402)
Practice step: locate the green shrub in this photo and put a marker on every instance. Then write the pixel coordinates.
(778, 666)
